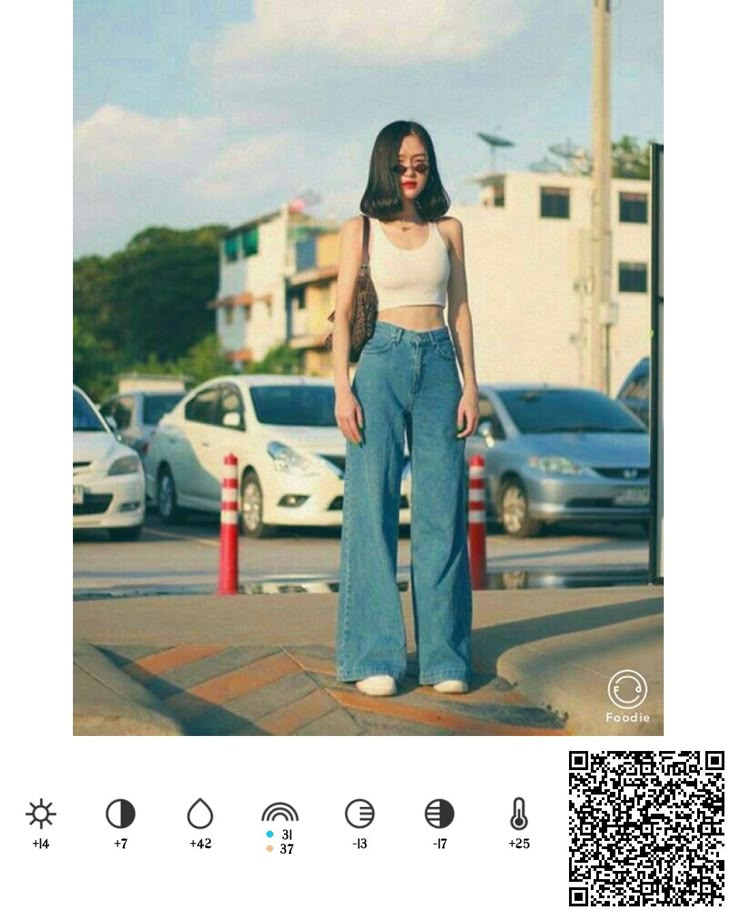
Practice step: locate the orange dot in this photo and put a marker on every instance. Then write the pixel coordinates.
(269, 848)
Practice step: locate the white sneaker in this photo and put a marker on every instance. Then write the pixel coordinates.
(379, 685)
(451, 686)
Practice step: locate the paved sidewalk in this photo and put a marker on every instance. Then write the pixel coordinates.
(263, 664)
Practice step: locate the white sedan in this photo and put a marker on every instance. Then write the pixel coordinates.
(109, 488)
(281, 428)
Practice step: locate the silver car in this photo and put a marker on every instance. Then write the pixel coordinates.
(556, 453)
(137, 413)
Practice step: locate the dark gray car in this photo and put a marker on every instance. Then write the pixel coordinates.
(634, 392)
(556, 453)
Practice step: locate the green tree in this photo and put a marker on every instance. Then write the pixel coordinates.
(145, 306)
(281, 359)
(630, 161)
(161, 283)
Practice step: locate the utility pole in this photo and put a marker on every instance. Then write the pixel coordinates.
(601, 201)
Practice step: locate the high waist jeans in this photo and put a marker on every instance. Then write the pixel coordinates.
(407, 383)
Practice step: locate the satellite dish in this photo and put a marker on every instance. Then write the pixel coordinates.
(494, 142)
(577, 157)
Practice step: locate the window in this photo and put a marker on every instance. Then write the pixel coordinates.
(230, 245)
(228, 316)
(306, 253)
(555, 202)
(203, 407)
(488, 414)
(249, 241)
(85, 417)
(637, 388)
(632, 277)
(632, 208)
(157, 405)
(122, 412)
(231, 402)
(311, 405)
(545, 410)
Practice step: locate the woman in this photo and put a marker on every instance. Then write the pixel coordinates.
(406, 383)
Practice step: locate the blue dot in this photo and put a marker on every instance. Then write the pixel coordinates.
(269, 833)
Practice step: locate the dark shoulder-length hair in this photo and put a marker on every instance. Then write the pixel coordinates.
(382, 196)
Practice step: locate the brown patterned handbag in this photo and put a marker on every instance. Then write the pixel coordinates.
(365, 304)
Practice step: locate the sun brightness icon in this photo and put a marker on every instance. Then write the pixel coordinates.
(41, 814)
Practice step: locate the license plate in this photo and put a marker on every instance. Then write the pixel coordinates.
(78, 495)
(632, 497)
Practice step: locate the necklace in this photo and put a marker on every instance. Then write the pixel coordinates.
(409, 225)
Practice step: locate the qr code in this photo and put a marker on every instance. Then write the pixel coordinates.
(646, 828)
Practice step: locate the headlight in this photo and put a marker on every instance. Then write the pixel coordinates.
(561, 466)
(287, 460)
(124, 466)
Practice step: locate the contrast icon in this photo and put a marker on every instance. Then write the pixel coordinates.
(439, 813)
(41, 814)
(359, 813)
(200, 815)
(120, 813)
(280, 810)
(627, 689)
(519, 819)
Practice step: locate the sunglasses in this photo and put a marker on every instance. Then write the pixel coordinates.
(400, 169)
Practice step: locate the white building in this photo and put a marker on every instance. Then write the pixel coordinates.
(528, 263)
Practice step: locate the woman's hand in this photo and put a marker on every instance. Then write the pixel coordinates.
(468, 413)
(349, 415)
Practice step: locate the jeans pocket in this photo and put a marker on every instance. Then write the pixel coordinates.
(445, 349)
(377, 344)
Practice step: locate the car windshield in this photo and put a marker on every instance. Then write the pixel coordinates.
(312, 406)
(542, 411)
(85, 417)
(159, 404)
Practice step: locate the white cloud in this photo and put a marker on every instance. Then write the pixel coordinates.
(132, 171)
(265, 163)
(114, 140)
(393, 32)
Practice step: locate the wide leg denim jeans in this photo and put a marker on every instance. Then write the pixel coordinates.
(407, 384)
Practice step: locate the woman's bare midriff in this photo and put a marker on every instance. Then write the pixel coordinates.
(418, 318)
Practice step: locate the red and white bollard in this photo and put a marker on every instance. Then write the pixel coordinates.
(228, 583)
(477, 521)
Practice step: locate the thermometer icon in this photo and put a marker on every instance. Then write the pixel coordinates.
(518, 818)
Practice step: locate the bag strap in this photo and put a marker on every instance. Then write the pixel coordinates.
(366, 236)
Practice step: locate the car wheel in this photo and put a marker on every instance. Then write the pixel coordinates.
(168, 507)
(251, 509)
(120, 534)
(514, 511)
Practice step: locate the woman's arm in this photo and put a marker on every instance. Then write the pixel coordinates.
(347, 410)
(458, 310)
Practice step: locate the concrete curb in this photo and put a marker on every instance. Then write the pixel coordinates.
(569, 675)
(108, 702)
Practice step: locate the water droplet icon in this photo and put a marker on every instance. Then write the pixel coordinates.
(200, 815)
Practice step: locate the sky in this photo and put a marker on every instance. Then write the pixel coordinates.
(215, 111)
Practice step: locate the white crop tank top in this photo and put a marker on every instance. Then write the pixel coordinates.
(408, 277)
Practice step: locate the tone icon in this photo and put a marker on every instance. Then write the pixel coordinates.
(120, 813)
(360, 813)
(439, 813)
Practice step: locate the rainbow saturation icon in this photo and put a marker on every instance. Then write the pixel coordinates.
(280, 810)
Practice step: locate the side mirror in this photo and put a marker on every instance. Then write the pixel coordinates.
(112, 423)
(232, 420)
